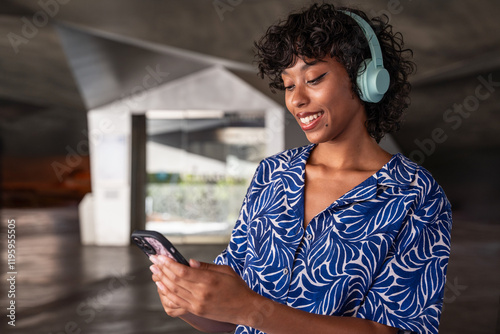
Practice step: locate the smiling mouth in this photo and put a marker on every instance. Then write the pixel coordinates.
(308, 119)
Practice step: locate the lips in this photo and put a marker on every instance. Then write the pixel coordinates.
(308, 120)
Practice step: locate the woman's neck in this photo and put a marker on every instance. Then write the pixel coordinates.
(361, 154)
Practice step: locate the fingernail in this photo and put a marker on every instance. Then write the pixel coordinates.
(194, 263)
(160, 286)
(154, 269)
(153, 259)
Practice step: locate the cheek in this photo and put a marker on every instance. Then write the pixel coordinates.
(326, 99)
(288, 102)
(341, 97)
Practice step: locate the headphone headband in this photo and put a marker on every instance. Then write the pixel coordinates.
(373, 79)
(370, 36)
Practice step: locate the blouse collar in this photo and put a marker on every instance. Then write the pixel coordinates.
(398, 172)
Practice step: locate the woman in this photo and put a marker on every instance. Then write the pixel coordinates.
(338, 236)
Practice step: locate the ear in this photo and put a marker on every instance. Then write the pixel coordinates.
(373, 81)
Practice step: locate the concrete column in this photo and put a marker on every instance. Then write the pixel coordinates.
(110, 151)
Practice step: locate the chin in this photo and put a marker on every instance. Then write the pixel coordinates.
(316, 140)
(324, 139)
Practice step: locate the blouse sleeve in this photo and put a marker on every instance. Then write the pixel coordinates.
(408, 291)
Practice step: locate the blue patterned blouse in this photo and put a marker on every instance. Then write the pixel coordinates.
(379, 252)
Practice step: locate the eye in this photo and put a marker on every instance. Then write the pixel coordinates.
(289, 88)
(317, 79)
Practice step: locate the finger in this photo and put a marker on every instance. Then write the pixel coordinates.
(171, 308)
(186, 282)
(176, 287)
(194, 263)
(212, 267)
(175, 300)
(156, 272)
(177, 272)
(174, 313)
(154, 259)
(166, 302)
(194, 273)
(161, 287)
(170, 284)
(155, 278)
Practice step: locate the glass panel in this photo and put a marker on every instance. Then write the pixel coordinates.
(199, 165)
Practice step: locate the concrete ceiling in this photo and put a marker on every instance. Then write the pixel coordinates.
(456, 46)
(446, 36)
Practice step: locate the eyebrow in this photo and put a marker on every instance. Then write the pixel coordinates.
(305, 66)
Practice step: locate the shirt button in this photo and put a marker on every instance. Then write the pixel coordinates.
(285, 271)
(309, 237)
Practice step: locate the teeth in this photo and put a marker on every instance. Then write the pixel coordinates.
(309, 119)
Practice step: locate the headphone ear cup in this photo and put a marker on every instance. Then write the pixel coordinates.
(372, 81)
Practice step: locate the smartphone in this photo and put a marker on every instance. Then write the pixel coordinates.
(154, 243)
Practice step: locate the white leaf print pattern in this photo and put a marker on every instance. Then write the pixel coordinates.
(379, 252)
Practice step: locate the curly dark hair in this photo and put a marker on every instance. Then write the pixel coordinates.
(323, 30)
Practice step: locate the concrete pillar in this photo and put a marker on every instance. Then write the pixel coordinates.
(110, 147)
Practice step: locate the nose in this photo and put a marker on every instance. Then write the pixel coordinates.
(299, 97)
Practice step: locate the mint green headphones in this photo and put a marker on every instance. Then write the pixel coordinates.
(373, 79)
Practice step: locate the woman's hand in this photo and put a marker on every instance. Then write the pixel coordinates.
(206, 290)
(215, 298)
(170, 307)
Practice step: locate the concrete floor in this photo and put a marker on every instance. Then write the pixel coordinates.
(62, 287)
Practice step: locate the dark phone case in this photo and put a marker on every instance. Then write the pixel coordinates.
(154, 243)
